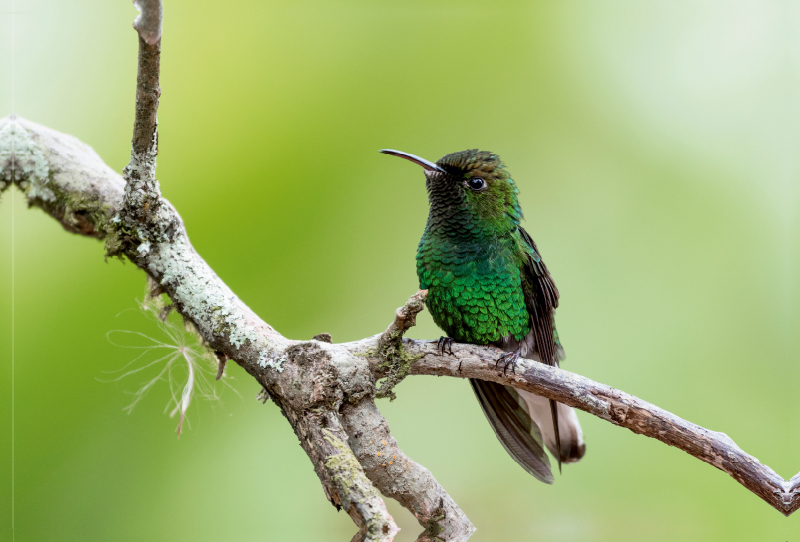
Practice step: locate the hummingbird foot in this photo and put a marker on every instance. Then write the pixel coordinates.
(509, 359)
(445, 345)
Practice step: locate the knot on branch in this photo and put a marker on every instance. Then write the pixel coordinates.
(396, 359)
(323, 338)
(144, 219)
(319, 384)
(316, 375)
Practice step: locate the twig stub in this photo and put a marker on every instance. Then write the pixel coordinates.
(323, 338)
(397, 361)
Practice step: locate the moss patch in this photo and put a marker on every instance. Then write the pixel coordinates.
(397, 361)
(344, 467)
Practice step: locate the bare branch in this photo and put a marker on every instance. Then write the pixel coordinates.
(343, 480)
(617, 407)
(60, 174)
(142, 190)
(400, 478)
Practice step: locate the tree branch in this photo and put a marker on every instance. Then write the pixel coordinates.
(325, 390)
(619, 408)
(68, 180)
(148, 91)
(400, 478)
(343, 480)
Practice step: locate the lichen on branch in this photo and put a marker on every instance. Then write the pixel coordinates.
(396, 364)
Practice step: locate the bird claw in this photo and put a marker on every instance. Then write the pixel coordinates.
(508, 358)
(445, 345)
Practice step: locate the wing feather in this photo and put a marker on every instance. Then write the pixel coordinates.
(541, 299)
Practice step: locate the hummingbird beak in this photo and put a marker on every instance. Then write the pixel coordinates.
(427, 166)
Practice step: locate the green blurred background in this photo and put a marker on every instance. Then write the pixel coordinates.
(655, 147)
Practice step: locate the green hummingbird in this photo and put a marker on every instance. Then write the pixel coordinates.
(487, 284)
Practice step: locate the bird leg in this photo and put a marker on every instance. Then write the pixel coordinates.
(445, 345)
(509, 358)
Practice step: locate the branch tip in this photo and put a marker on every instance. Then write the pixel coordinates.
(148, 22)
(405, 318)
(397, 361)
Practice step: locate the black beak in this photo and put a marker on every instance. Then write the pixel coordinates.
(428, 166)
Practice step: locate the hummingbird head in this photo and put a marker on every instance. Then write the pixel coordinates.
(471, 186)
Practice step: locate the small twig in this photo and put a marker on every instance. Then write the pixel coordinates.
(156, 289)
(263, 396)
(397, 362)
(142, 202)
(222, 358)
(163, 314)
(148, 23)
(148, 92)
(145, 134)
(405, 318)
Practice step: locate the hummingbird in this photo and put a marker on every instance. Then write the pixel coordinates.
(487, 284)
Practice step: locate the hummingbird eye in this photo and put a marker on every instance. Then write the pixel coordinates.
(476, 183)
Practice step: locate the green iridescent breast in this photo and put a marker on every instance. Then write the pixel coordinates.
(474, 287)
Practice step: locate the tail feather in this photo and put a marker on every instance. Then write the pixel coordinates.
(554, 415)
(567, 443)
(514, 428)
